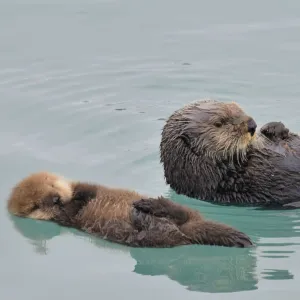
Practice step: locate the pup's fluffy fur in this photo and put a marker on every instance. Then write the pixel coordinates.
(119, 215)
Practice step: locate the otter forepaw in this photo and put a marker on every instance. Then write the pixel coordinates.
(84, 192)
(150, 206)
(163, 208)
(84, 196)
(275, 131)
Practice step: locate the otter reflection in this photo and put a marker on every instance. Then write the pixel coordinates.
(36, 232)
(201, 269)
(208, 271)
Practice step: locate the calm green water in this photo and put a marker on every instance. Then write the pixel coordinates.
(84, 88)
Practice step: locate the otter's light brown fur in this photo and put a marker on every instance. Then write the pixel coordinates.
(119, 215)
(26, 195)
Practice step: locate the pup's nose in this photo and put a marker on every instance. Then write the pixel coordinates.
(251, 126)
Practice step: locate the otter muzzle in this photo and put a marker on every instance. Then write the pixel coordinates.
(251, 126)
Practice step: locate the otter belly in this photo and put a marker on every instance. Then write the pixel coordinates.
(138, 230)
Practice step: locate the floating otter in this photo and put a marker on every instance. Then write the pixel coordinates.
(211, 151)
(118, 215)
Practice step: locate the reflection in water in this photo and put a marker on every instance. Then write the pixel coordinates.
(257, 223)
(278, 274)
(36, 232)
(206, 269)
(199, 268)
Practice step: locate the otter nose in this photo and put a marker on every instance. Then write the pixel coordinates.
(251, 126)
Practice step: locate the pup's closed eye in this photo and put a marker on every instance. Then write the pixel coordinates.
(56, 200)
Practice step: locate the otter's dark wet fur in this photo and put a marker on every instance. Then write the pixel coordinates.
(211, 150)
(118, 215)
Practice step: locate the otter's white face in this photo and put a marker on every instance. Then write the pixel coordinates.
(219, 129)
(39, 196)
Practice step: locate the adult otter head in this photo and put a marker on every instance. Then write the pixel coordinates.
(201, 141)
(208, 127)
(39, 196)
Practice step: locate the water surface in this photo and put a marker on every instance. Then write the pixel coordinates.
(85, 87)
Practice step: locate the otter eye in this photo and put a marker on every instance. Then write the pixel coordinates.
(218, 124)
(56, 200)
(35, 207)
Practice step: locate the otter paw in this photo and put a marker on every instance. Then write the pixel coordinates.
(150, 206)
(240, 240)
(275, 130)
(84, 196)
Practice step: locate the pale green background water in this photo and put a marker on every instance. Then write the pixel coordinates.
(84, 88)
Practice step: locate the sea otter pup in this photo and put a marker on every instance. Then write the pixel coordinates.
(118, 215)
(212, 151)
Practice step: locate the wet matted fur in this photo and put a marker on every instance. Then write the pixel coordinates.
(211, 150)
(118, 215)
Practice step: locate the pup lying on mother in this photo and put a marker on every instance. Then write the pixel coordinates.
(118, 215)
(211, 150)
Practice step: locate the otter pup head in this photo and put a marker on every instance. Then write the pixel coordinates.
(211, 128)
(39, 196)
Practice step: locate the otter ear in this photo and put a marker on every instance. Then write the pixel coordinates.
(186, 139)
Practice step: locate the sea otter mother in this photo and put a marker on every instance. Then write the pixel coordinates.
(212, 151)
